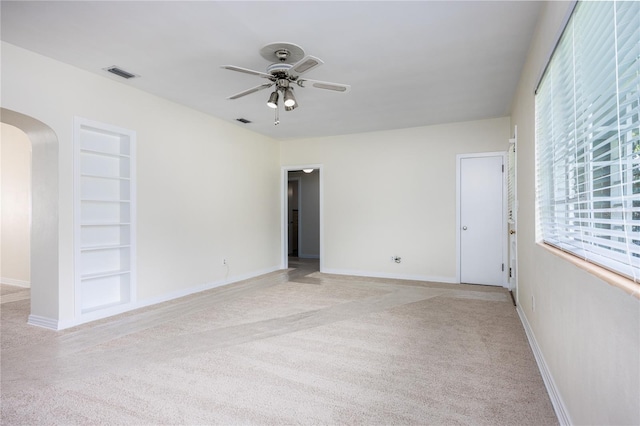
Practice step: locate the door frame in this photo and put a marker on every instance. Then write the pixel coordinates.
(512, 277)
(505, 240)
(284, 220)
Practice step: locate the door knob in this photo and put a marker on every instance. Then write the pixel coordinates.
(464, 228)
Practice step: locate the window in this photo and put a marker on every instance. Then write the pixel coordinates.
(588, 138)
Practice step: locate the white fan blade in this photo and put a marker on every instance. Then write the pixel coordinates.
(336, 87)
(305, 64)
(246, 71)
(252, 90)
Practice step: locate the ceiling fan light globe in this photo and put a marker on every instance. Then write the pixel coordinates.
(289, 99)
(273, 100)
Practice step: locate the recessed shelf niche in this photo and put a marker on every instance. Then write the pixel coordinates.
(104, 220)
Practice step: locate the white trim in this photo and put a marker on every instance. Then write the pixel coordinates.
(284, 243)
(43, 322)
(505, 230)
(93, 316)
(17, 283)
(77, 294)
(513, 280)
(554, 394)
(374, 274)
(204, 287)
(105, 313)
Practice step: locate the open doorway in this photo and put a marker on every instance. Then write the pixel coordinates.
(293, 214)
(44, 232)
(302, 216)
(15, 152)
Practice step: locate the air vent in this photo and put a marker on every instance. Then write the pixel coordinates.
(243, 120)
(120, 72)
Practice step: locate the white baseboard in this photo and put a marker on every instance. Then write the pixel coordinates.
(17, 283)
(43, 322)
(116, 310)
(450, 280)
(203, 287)
(554, 394)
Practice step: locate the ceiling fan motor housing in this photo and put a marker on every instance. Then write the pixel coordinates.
(279, 69)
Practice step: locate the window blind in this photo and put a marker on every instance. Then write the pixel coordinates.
(588, 138)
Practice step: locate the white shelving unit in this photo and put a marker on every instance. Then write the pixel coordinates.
(104, 217)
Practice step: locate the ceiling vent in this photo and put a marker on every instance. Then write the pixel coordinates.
(120, 72)
(243, 120)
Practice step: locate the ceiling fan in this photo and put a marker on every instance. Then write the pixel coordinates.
(289, 63)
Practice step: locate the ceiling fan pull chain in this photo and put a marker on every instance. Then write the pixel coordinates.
(277, 118)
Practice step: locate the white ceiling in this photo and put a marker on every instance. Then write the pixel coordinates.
(409, 63)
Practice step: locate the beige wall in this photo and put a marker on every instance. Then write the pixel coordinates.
(189, 216)
(587, 330)
(16, 206)
(393, 193)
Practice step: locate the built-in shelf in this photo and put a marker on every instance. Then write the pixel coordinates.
(96, 275)
(103, 307)
(107, 154)
(104, 216)
(105, 224)
(105, 247)
(104, 177)
(97, 200)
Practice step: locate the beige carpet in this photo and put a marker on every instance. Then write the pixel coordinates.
(296, 347)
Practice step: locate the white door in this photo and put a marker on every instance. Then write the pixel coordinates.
(481, 220)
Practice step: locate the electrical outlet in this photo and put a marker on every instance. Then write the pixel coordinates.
(224, 261)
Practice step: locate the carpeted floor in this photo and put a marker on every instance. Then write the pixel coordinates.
(291, 347)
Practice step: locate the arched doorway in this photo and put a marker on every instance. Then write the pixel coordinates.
(44, 217)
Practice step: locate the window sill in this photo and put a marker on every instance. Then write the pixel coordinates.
(609, 277)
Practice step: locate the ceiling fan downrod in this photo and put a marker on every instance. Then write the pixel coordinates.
(282, 54)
